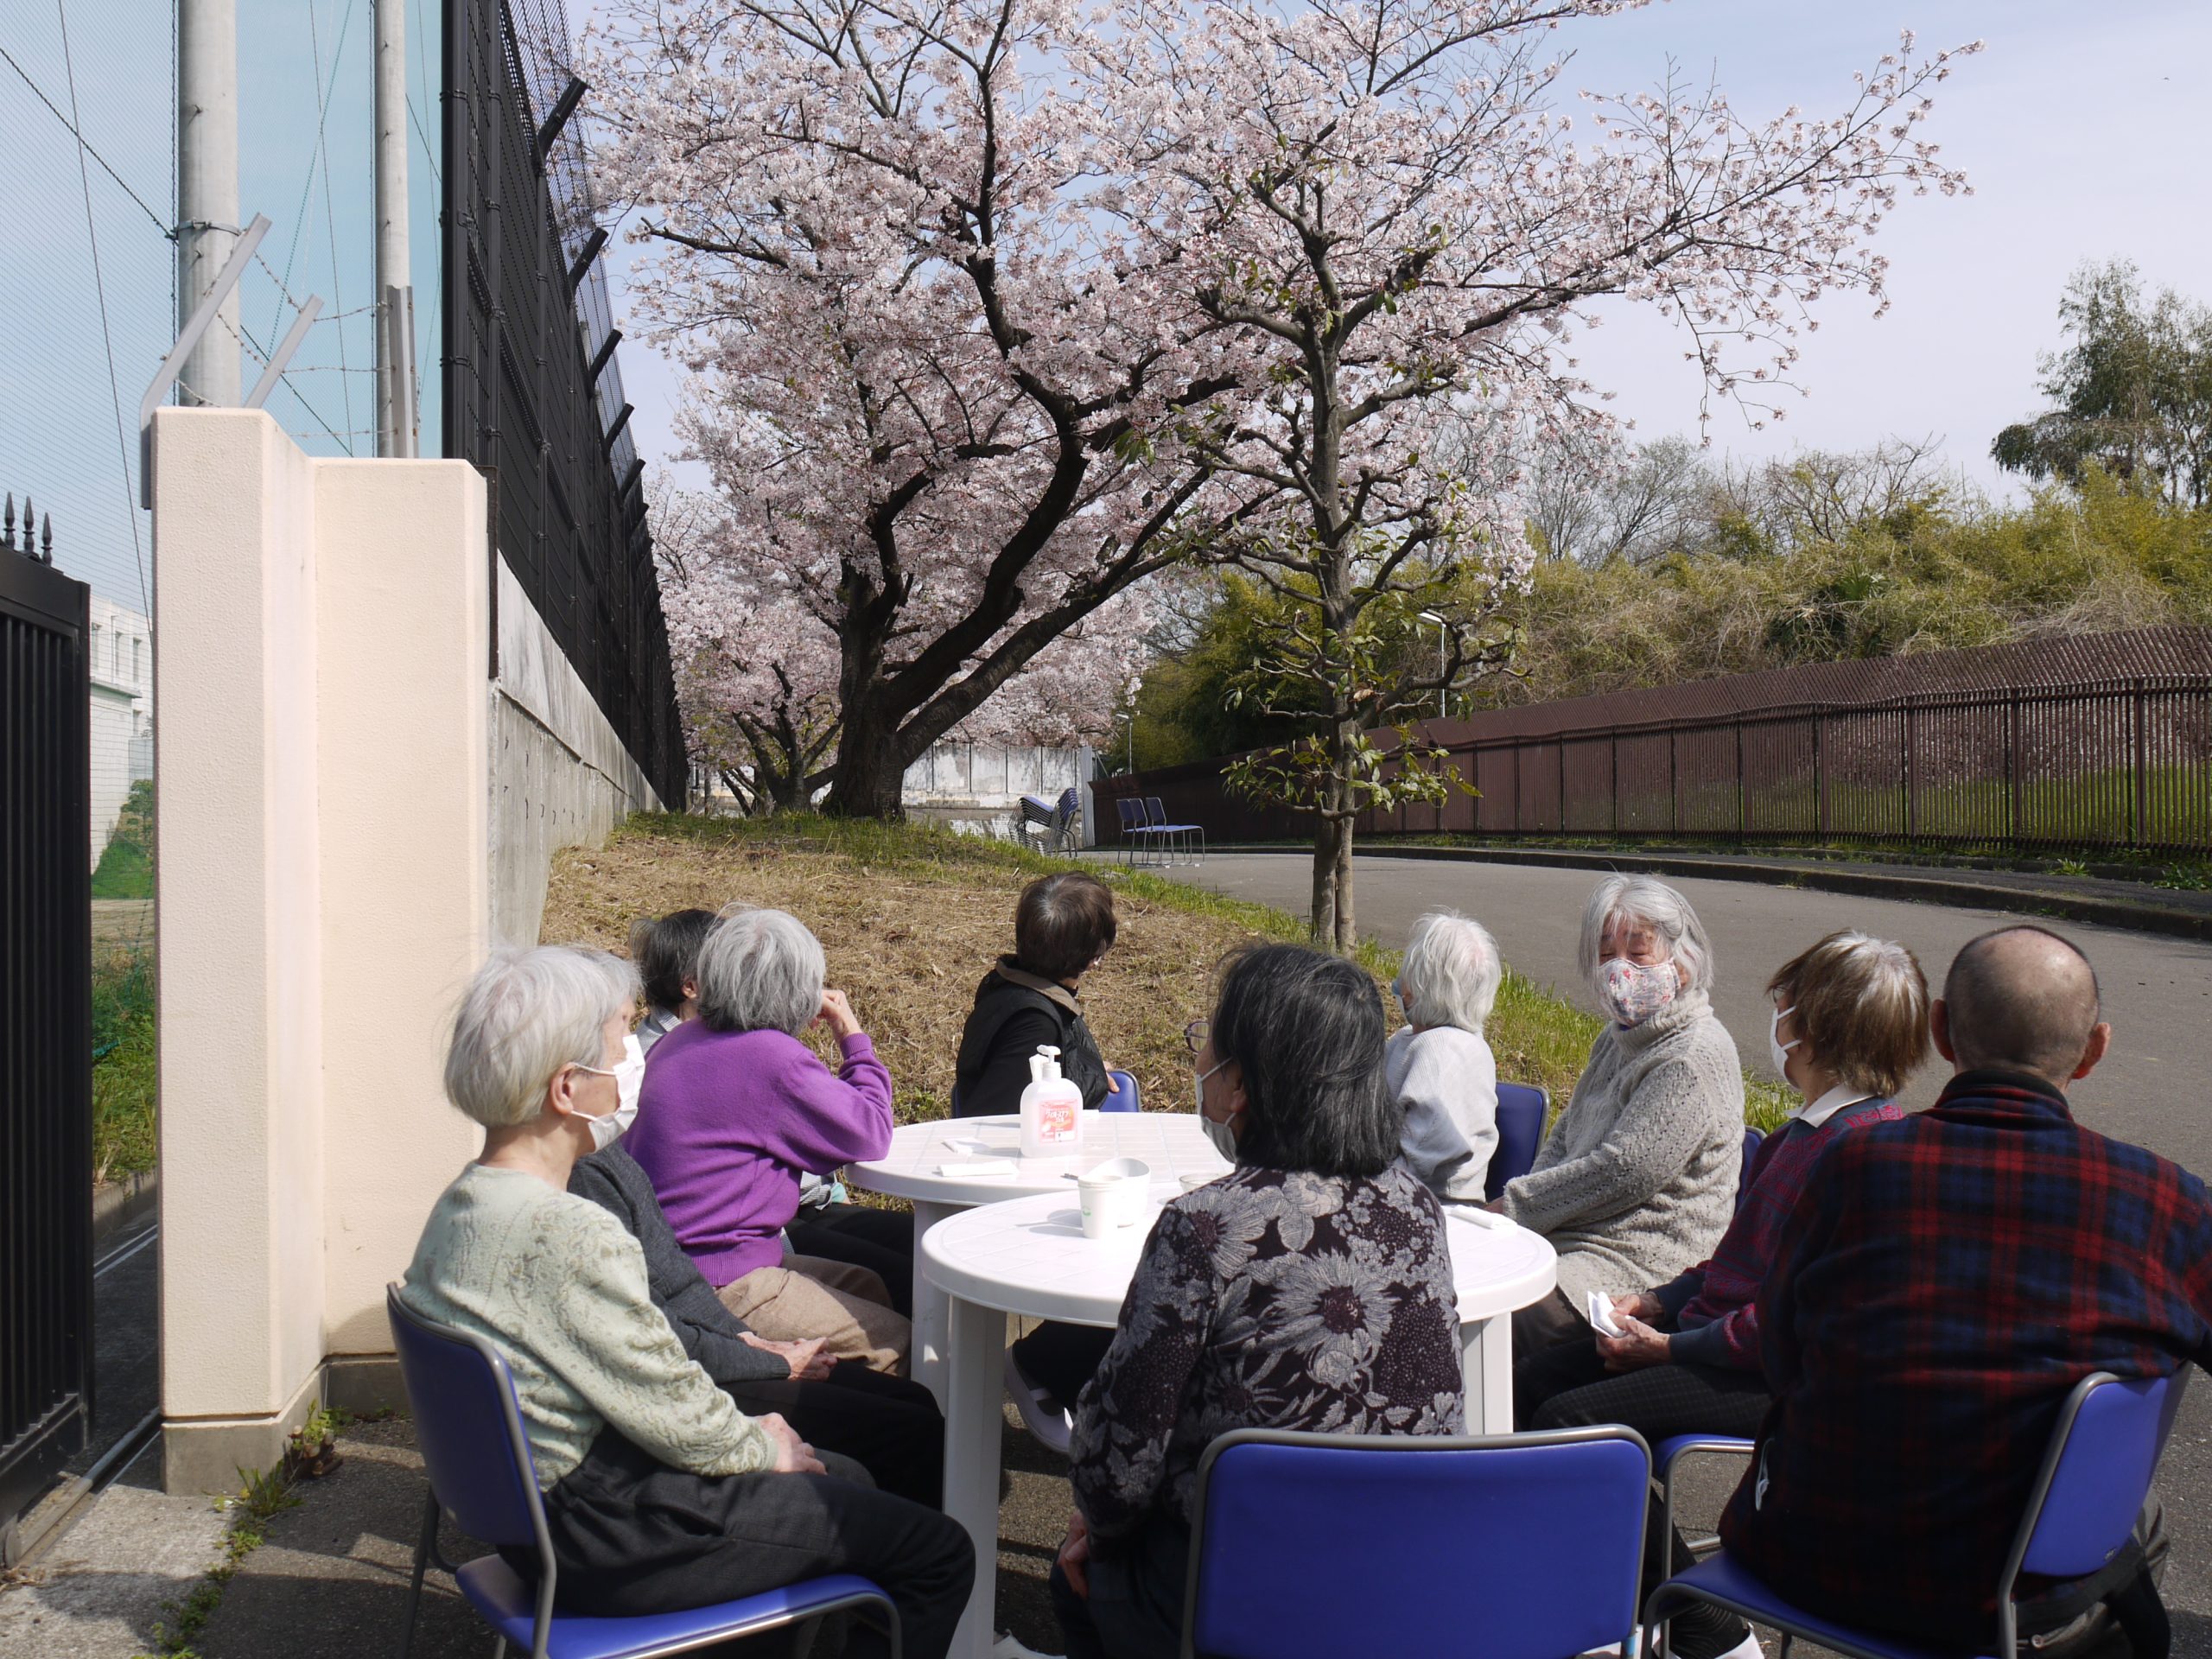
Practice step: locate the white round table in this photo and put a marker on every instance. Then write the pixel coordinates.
(1172, 1142)
(1029, 1256)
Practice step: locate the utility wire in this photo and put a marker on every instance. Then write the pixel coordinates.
(107, 335)
(329, 203)
(160, 224)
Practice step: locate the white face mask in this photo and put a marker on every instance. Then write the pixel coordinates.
(1777, 1050)
(1223, 1137)
(629, 1075)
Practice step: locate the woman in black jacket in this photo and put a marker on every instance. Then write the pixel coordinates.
(1063, 926)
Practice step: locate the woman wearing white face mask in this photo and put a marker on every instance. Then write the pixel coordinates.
(1636, 1180)
(659, 1493)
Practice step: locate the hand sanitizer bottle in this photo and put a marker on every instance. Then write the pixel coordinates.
(1052, 1109)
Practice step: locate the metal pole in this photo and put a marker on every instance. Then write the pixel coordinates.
(208, 189)
(395, 417)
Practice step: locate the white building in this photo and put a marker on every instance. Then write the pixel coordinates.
(121, 712)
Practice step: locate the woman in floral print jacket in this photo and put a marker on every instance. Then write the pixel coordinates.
(1310, 1288)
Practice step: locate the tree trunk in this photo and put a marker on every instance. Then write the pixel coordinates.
(1322, 926)
(1347, 932)
(871, 775)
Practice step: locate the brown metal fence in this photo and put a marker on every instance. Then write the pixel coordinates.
(2123, 761)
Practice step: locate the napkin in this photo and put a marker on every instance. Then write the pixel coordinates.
(1601, 1315)
(979, 1166)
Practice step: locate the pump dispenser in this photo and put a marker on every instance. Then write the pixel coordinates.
(1052, 1109)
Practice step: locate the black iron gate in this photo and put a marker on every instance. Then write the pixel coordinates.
(46, 1042)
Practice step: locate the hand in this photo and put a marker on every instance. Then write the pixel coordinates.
(837, 1013)
(1639, 1305)
(793, 1455)
(808, 1363)
(1112, 1087)
(1075, 1555)
(1640, 1346)
(1496, 1206)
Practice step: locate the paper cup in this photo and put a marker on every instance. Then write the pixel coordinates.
(1113, 1196)
(1192, 1182)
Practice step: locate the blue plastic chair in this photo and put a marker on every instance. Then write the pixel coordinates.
(468, 1427)
(1126, 1098)
(1521, 1111)
(1326, 1546)
(1137, 835)
(2095, 1474)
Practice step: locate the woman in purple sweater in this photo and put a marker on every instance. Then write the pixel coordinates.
(735, 1108)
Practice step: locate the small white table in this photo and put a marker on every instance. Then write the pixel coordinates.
(1029, 1256)
(1170, 1142)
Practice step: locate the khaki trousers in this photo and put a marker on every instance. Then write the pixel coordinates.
(809, 1296)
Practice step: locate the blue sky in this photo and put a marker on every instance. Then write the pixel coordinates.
(2085, 130)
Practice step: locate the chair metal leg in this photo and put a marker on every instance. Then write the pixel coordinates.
(425, 1547)
(500, 1647)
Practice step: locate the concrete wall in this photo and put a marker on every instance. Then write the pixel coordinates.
(355, 809)
(325, 853)
(560, 776)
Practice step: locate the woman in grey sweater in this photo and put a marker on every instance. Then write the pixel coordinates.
(1636, 1180)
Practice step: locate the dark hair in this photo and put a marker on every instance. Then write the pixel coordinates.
(668, 955)
(1306, 1030)
(2022, 996)
(1063, 924)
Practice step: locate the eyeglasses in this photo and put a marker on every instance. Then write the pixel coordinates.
(1195, 1035)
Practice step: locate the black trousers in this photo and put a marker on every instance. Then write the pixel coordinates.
(1135, 1610)
(1061, 1358)
(881, 1241)
(891, 1427)
(1568, 1386)
(631, 1536)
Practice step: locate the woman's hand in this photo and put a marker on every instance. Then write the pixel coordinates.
(838, 1014)
(1075, 1555)
(808, 1363)
(1639, 1346)
(1640, 1305)
(793, 1455)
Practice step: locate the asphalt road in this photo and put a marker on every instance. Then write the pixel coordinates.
(2152, 1091)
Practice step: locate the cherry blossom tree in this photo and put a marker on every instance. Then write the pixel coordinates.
(757, 667)
(940, 401)
(1383, 201)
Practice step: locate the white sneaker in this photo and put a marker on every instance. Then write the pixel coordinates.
(1747, 1648)
(1009, 1647)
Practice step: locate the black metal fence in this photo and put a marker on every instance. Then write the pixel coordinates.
(533, 395)
(46, 1042)
(2120, 761)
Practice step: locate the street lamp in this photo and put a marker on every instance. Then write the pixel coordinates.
(1441, 625)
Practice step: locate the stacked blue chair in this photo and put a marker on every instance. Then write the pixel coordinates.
(1156, 817)
(1137, 835)
(1330, 1546)
(1521, 1111)
(468, 1425)
(2095, 1475)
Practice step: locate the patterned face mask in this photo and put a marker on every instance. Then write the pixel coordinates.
(1633, 992)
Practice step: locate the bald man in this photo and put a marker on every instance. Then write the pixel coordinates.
(1943, 1284)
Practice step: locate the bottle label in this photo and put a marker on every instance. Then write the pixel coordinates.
(1055, 1120)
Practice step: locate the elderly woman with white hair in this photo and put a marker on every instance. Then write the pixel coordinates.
(736, 1108)
(659, 1493)
(1636, 1180)
(1439, 1069)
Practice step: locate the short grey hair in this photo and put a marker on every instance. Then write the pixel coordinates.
(759, 970)
(527, 1014)
(1451, 971)
(1660, 908)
